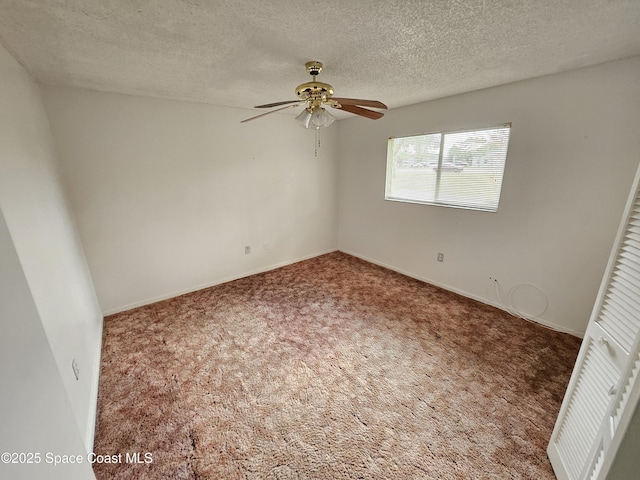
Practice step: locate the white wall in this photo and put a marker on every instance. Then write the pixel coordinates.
(43, 233)
(167, 194)
(572, 156)
(35, 413)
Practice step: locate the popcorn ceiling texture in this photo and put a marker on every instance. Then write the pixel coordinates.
(329, 368)
(244, 52)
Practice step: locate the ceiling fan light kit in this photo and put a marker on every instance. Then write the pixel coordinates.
(314, 96)
(315, 117)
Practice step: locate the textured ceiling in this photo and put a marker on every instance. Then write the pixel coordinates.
(246, 52)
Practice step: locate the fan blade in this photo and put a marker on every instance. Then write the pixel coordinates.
(365, 112)
(355, 101)
(272, 111)
(277, 104)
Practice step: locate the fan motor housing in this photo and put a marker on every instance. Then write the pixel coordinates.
(314, 90)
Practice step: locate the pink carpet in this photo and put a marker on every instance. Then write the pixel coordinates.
(331, 368)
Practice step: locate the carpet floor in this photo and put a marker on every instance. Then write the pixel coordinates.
(330, 368)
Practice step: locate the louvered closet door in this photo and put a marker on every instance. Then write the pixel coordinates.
(604, 386)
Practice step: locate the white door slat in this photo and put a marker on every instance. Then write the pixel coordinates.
(631, 308)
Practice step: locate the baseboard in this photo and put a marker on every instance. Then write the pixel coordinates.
(95, 381)
(544, 323)
(214, 283)
(449, 288)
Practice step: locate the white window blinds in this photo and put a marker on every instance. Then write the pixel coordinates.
(461, 169)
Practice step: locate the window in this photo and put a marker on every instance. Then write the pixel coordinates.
(461, 169)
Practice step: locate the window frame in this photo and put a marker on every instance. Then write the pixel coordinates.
(441, 156)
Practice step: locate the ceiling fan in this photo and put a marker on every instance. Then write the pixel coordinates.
(314, 96)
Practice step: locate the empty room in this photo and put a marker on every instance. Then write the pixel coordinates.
(319, 240)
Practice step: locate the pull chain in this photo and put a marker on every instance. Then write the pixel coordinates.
(317, 140)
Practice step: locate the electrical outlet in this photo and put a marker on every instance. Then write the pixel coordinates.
(76, 370)
(247, 250)
(441, 257)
